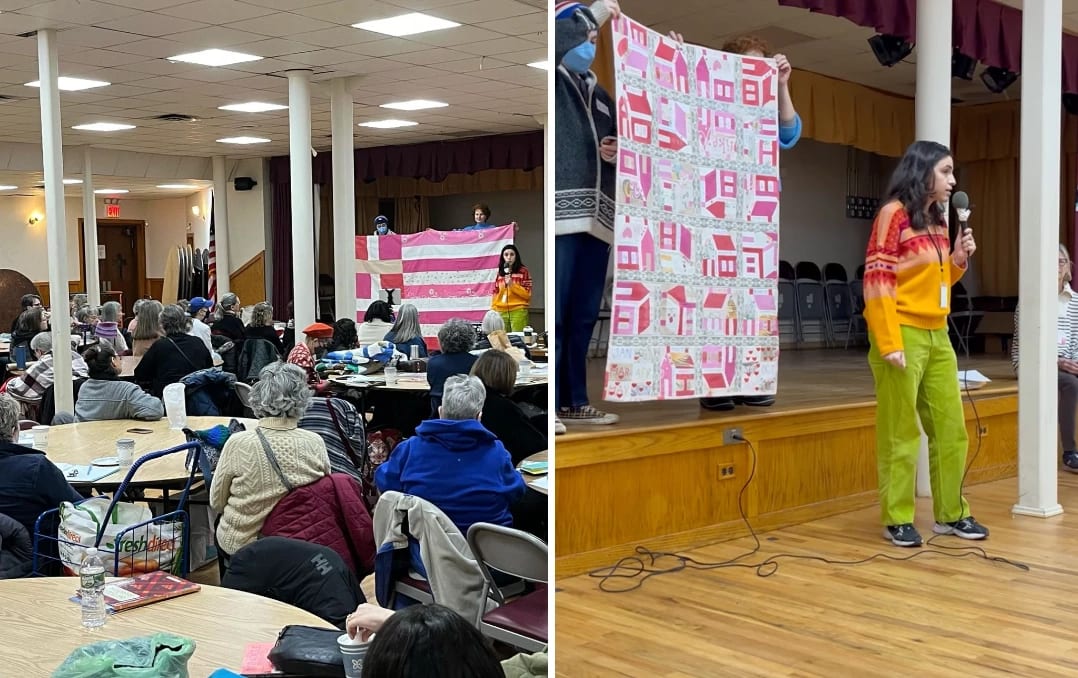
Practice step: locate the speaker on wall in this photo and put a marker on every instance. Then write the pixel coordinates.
(244, 183)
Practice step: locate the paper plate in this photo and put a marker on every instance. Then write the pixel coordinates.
(106, 461)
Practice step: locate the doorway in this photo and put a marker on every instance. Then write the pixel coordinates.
(121, 260)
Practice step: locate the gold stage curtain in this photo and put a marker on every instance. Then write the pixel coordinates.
(412, 214)
(487, 181)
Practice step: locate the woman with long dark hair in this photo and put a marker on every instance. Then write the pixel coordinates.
(512, 289)
(909, 270)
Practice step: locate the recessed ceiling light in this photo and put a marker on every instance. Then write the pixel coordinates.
(243, 140)
(103, 127)
(179, 186)
(68, 182)
(215, 57)
(388, 124)
(110, 191)
(415, 105)
(252, 107)
(544, 64)
(8, 188)
(406, 24)
(72, 84)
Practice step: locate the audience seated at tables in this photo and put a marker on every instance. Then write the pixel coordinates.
(16, 549)
(258, 468)
(432, 640)
(302, 355)
(31, 322)
(376, 322)
(342, 430)
(107, 328)
(345, 337)
(455, 338)
(147, 326)
(105, 396)
(455, 463)
(406, 332)
(27, 302)
(39, 376)
(173, 356)
(228, 322)
(501, 416)
(261, 326)
(493, 322)
(30, 484)
(134, 315)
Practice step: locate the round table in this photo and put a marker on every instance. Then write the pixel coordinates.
(531, 480)
(221, 622)
(83, 442)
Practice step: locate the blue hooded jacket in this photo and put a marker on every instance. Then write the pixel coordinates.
(460, 467)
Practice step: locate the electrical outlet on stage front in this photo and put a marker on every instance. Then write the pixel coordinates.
(726, 471)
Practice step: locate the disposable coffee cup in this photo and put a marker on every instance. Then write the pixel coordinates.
(353, 652)
(525, 368)
(41, 437)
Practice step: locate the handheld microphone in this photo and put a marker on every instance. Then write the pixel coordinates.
(506, 270)
(961, 205)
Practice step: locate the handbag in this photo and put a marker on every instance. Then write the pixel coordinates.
(308, 651)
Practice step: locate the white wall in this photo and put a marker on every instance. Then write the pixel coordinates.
(247, 214)
(523, 207)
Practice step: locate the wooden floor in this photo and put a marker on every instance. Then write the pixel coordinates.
(932, 616)
(807, 379)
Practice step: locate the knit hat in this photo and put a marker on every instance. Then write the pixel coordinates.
(319, 331)
(598, 11)
(566, 9)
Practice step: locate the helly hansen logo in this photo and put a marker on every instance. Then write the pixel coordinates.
(321, 564)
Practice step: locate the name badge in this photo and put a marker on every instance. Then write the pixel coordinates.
(943, 296)
(603, 108)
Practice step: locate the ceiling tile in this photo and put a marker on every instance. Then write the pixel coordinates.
(281, 24)
(151, 24)
(221, 11)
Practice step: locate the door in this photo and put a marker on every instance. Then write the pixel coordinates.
(122, 268)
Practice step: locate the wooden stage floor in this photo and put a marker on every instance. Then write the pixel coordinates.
(931, 616)
(808, 379)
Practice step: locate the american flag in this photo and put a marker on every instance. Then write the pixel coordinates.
(211, 286)
(445, 274)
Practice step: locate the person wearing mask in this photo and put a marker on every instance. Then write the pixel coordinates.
(228, 322)
(107, 328)
(261, 326)
(909, 270)
(199, 309)
(31, 386)
(381, 226)
(455, 463)
(104, 396)
(315, 338)
(512, 290)
(377, 321)
(406, 332)
(1066, 358)
(173, 356)
(584, 176)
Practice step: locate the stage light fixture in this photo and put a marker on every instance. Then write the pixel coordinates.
(998, 79)
(962, 65)
(889, 49)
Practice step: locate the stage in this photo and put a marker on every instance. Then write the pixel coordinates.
(663, 477)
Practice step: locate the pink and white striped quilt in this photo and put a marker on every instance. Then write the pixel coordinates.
(446, 274)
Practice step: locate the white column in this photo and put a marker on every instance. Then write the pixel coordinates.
(1038, 209)
(52, 153)
(305, 296)
(933, 121)
(344, 199)
(92, 283)
(548, 199)
(220, 225)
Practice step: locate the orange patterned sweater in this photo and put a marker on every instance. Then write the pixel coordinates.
(903, 277)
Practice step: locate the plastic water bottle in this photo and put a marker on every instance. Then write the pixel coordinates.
(92, 590)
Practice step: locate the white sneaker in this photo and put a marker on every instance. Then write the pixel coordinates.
(559, 428)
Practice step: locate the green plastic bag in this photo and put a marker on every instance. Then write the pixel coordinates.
(161, 655)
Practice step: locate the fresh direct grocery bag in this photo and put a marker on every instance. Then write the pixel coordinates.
(146, 548)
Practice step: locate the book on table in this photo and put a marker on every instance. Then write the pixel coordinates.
(535, 468)
(145, 589)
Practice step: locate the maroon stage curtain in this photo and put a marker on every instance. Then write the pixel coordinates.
(281, 219)
(983, 29)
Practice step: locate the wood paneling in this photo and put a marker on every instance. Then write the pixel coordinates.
(248, 282)
(73, 287)
(155, 287)
(660, 484)
(932, 616)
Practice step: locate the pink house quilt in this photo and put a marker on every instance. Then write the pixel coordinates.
(694, 311)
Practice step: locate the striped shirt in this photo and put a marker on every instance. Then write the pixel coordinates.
(319, 420)
(1066, 332)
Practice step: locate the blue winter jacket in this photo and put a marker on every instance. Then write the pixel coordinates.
(460, 467)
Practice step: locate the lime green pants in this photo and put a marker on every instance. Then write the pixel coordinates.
(928, 388)
(515, 320)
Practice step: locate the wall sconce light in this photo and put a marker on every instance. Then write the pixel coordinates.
(196, 210)
(35, 218)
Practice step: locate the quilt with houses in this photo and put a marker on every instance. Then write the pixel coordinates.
(694, 310)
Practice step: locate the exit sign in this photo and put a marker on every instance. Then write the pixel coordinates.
(112, 211)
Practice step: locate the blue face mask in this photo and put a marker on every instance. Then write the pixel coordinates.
(382, 229)
(579, 58)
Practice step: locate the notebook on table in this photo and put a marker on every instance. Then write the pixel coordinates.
(145, 589)
(85, 473)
